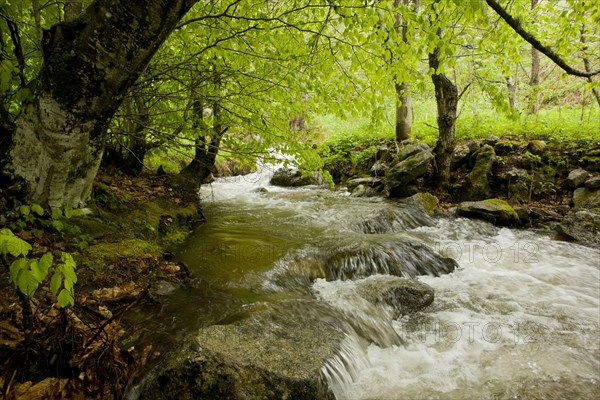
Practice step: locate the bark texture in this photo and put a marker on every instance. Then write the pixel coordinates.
(534, 82)
(89, 64)
(446, 97)
(547, 51)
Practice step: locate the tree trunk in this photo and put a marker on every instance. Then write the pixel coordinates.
(403, 112)
(403, 98)
(535, 73)
(89, 64)
(511, 84)
(446, 97)
(588, 66)
(207, 143)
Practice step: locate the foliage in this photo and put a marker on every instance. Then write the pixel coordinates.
(28, 273)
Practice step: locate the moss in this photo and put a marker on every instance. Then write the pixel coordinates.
(536, 146)
(506, 147)
(128, 248)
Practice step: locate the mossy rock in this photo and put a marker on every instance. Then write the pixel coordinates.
(426, 201)
(478, 185)
(496, 211)
(537, 147)
(506, 147)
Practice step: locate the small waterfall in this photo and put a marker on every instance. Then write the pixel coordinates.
(359, 257)
(400, 218)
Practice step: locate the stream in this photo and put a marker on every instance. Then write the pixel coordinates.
(518, 318)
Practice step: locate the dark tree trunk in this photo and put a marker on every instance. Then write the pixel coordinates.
(89, 64)
(208, 141)
(446, 97)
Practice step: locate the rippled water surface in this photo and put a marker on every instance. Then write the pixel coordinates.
(519, 318)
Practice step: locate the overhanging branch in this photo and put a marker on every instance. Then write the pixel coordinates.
(518, 28)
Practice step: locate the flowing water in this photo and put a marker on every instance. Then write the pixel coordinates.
(519, 317)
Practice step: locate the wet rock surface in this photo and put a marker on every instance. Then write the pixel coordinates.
(582, 226)
(403, 295)
(287, 177)
(496, 211)
(275, 353)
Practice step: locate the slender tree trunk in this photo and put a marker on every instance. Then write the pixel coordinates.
(403, 112)
(511, 84)
(89, 64)
(446, 97)
(588, 66)
(534, 81)
(403, 96)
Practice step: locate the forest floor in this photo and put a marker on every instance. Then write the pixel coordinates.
(122, 249)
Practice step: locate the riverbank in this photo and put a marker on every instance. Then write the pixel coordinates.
(550, 185)
(122, 251)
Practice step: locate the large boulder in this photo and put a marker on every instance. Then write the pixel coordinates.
(403, 295)
(497, 211)
(478, 185)
(292, 178)
(576, 178)
(582, 226)
(586, 198)
(276, 353)
(401, 174)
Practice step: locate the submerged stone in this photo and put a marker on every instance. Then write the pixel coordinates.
(277, 353)
(496, 211)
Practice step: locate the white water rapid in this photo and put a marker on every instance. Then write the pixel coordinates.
(519, 318)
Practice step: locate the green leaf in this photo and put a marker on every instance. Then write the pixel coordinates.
(27, 283)
(25, 210)
(68, 212)
(17, 266)
(40, 268)
(58, 225)
(10, 244)
(57, 214)
(55, 282)
(65, 297)
(36, 208)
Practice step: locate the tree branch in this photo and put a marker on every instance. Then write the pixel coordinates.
(518, 28)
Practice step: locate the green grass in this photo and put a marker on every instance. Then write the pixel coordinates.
(554, 124)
